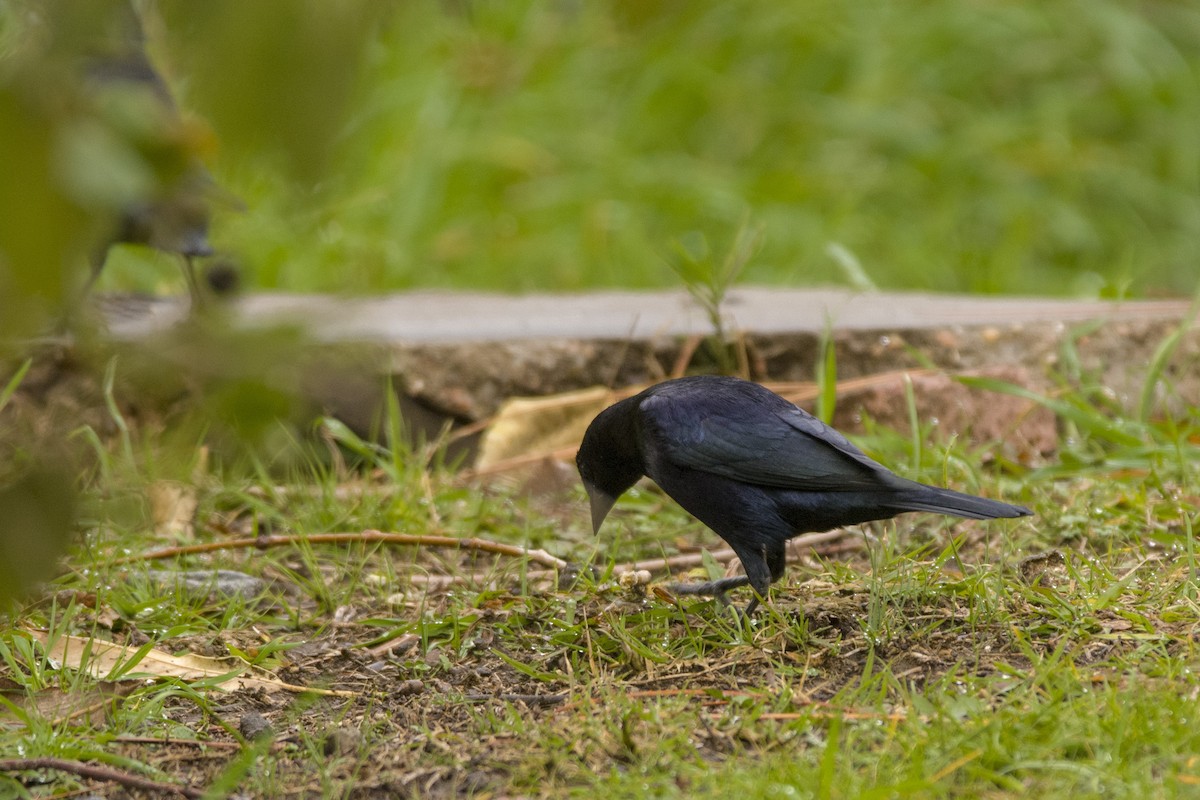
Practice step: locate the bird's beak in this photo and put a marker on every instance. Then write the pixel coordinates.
(601, 503)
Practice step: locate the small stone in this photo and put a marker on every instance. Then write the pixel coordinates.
(255, 726)
(341, 742)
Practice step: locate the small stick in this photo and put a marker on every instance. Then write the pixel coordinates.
(365, 537)
(402, 643)
(198, 743)
(527, 699)
(99, 773)
(669, 564)
(823, 712)
(216, 745)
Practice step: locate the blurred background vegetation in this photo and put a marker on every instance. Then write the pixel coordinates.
(1045, 147)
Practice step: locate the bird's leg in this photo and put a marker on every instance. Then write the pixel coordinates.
(760, 566)
(760, 595)
(776, 555)
(760, 580)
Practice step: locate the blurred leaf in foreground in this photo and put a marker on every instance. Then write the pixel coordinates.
(273, 77)
(96, 153)
(37, 516)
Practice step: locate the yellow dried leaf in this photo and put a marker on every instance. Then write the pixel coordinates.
(539, 426)
(99, 658)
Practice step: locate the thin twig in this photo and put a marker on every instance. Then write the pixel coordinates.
(198, 743)
(97, 772)
(364, 537)
(668, 564)
(803, 391)
(169, 742)
(400, 644)
(722, 697)
(527, 699)
(828, 712)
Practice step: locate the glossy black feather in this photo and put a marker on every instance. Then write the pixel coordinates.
(753, 467)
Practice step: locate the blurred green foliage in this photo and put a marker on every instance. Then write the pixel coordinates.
(274, 79)
(37, 514)
(1018, 147)
(1024, 147)
(93, 136)
(48, 209)
(93, 144)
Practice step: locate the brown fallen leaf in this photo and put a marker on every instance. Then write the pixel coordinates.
(100, 658)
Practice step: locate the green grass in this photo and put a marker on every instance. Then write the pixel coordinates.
(934, 661)
(1043, 148)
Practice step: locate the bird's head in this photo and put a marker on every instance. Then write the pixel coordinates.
(609, 459)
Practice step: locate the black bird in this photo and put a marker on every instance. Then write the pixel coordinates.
(753, 467)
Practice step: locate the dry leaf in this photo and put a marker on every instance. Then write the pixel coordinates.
(525, 426)
(104, 657)
(173, 508)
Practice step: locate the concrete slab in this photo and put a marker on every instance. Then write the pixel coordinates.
(456, 357)
(457, 317)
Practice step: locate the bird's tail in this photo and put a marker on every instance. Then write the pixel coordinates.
(948, 501)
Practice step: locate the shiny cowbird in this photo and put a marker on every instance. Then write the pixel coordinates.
(754, 468)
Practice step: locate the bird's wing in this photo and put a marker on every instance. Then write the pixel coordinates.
(779, 446)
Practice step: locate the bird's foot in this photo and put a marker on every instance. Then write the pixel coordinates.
(718, 589)
(715, 589)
